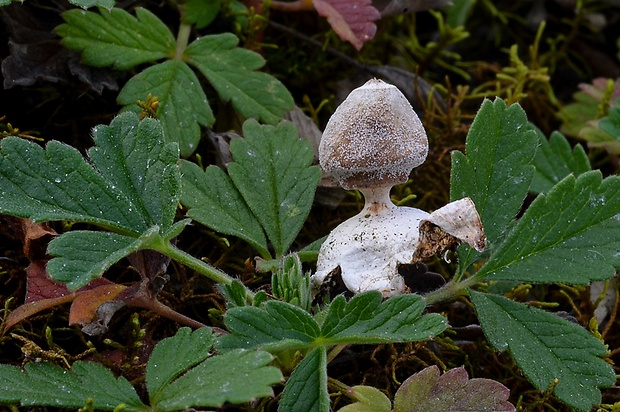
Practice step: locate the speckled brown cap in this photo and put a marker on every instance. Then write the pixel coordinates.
(373, 139)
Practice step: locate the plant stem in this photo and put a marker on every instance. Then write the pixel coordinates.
(200, 266)
(182, 40)
(450, 290)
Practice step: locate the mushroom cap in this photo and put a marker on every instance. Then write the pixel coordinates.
(373, 139)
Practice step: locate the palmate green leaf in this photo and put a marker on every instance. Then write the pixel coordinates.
(306, 389)
(175, 355)
(58, 184)
(237, 376)
(364, 319)
(555, 160)
(570, 235)
(275, 326)
(116, 38)
(183, 105)
(496, 171)
(44, 384)
(547, 347)
(230, 70)
(272, 171)
(132, 187)
(214, 201)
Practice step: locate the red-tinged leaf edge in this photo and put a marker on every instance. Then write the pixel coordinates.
(452, 391)
(43, 293)
(352, 20)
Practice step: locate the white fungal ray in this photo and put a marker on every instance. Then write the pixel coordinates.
(370, 246)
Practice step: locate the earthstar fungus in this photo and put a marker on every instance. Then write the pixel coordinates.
(371, 143)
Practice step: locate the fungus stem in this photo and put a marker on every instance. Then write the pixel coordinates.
(377, 199)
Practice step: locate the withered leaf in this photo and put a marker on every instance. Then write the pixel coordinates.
(92, 310)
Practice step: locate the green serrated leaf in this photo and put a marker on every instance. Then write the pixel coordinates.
(273, 172)
(175, 355)
(306, 389)
(496, 171)
(367, 399)
(235, 377)
(570, 235)
(555, 160)
(81, 256)
(275, 326)
(116, 38)
(214, 201)
(183, 105)
(135, 158)
(133, 189)
(44, 384)
(200, 13)
(86, 4)
(230, 70)
(547, 347)
(365, 319)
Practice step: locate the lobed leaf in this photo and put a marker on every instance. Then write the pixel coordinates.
(81, 256)
(496, 171)
(570, 235)
(275, 326)
(452, 391)
(183, 105)
(214, 201)
(555, 160)
(45, 384)
(306, 389)
(364, 319)
(236, 377)
(230, 70)
(173, 356)
(352, 20)
(116, 38)
(132, 187)
(272, 171)
(135, 158)
(547, 347)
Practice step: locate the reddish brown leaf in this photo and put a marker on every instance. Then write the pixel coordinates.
(84, 307)
(28, 309)
(352, 20)
(42, 292)
(34, 236)
(452, 391)
(41, 286)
